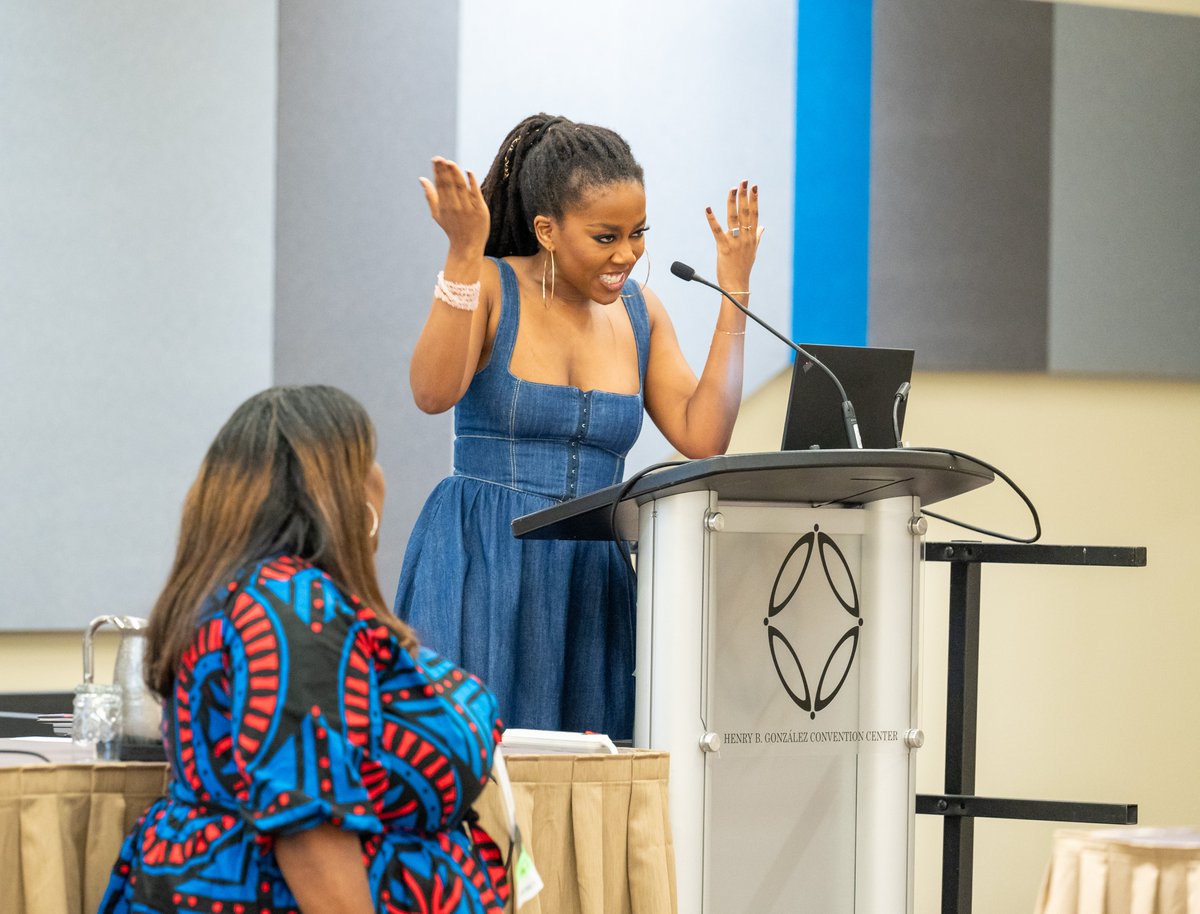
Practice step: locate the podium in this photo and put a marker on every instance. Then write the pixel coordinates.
(777, 646)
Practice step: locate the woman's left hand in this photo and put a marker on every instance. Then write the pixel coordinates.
(737, 244)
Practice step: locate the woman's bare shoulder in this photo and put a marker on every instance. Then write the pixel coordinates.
(489, 288)
(654, 306)
(489, 276)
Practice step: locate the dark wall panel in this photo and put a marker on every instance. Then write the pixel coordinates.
(1125, 237)
(367, 95)
(960, 172)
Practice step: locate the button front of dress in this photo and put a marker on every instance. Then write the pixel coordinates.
(547, 624)
(552, 440)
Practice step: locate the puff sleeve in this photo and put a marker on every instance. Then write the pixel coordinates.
(304, 699)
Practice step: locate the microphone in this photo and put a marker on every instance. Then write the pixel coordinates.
(849, 420)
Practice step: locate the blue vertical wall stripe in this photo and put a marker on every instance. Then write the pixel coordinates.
(833, 143)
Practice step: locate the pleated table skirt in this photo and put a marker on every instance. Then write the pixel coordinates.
(1123, 871)
(597, 825)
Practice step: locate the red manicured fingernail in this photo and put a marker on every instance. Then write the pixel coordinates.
(708, 209)
(754, 188)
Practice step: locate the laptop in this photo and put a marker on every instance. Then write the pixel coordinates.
(871, 378)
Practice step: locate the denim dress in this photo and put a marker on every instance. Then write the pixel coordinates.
(547, 624)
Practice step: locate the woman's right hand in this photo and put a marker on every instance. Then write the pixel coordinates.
(457, 205)
(448, 351)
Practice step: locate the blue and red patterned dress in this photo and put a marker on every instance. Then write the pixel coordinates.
(294, 706)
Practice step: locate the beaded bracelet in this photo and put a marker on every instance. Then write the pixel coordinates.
(461, 295)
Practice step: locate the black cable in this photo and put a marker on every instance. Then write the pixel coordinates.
(1037, 523)
(622, 547)
(625, 489)
(37, 755)
(901, 396)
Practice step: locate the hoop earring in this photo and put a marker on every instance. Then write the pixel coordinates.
(374, 520)
(645, 283)
(545, 303)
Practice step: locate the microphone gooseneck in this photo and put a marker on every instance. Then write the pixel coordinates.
(849, 420)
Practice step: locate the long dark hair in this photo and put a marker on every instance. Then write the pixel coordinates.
(286, 473)
(544, 167)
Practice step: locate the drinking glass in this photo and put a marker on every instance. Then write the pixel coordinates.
(97, 721)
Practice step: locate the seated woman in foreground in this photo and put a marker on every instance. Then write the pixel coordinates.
(320, 759)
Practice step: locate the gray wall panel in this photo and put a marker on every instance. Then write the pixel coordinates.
(960, 162)
(367, 95)
(1125, 241)
(136, 203)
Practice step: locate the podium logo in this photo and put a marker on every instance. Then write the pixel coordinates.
(838, 658)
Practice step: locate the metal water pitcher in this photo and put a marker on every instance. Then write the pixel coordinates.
(141, 713)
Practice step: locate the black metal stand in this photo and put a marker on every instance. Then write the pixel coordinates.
(959, 806)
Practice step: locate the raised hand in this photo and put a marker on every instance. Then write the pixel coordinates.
(457, 205)
(737, 244)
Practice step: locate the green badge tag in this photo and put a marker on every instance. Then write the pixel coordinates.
(529, 883)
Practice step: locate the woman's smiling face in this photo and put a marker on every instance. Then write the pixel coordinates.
(597, 242)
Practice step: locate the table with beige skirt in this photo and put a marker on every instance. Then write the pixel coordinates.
(1123, 871)
(597, 825)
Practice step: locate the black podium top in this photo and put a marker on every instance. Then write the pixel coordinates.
(825, 477)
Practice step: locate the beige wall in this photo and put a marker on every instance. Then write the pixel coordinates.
(1178, 7)
(1087, 676)
(51, 661)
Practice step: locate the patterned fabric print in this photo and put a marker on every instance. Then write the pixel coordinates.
(293, 707)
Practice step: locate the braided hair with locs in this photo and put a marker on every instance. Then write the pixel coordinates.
(544, 167)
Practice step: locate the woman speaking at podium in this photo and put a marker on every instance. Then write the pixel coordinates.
(549, 350)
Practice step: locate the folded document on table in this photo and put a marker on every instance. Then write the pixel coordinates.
(542, 742)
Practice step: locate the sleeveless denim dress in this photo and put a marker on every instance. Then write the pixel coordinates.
(547, 624)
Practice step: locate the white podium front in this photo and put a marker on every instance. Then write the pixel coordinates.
(778, 599)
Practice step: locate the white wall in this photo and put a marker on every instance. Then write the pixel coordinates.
(136, 255)
(705, 95)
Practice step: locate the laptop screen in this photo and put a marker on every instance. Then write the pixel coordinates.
(871, 378)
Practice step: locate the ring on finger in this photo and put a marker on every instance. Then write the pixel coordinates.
(734, 232)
